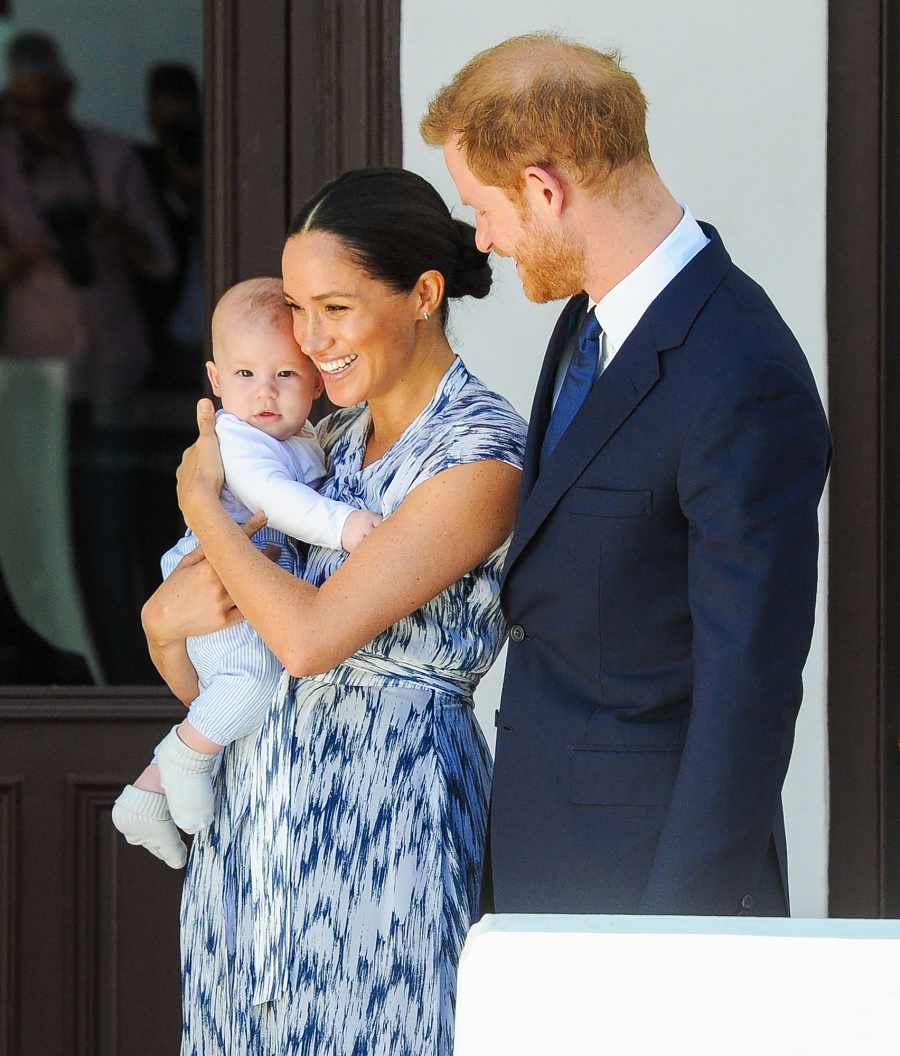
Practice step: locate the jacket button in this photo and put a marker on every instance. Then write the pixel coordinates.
(747, 903)
(517, 632)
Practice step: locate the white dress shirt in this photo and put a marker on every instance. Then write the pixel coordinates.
(619, 312)
(278, 477)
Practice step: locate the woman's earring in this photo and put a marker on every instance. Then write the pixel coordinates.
(425, 316)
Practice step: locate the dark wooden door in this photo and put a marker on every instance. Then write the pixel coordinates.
(295, 94)
(864, 403)
(298, 93)
(88, 925)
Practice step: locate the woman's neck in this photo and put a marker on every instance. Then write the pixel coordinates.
(392, 413)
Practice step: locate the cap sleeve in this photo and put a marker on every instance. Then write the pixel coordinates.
(483, 428)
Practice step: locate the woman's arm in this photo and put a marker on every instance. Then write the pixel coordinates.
(175, 668)
(442, 530)
(258, 476)
(192, 601)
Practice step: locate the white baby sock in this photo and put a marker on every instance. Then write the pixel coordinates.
(186, 778)
(144, 820)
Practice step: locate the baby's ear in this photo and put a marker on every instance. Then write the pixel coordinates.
(213, 374)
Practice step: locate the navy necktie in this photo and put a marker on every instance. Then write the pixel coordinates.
(576, 385)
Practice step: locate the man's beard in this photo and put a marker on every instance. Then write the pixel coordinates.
(551, 265)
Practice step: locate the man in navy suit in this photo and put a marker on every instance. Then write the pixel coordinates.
(661, 580)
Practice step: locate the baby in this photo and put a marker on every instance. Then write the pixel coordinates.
(272, 463)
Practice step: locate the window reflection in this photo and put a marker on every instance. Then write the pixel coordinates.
(101, 336)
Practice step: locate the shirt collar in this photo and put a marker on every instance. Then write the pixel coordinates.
(621, 309)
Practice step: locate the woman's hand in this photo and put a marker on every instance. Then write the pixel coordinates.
(200, 475)
(192, 601)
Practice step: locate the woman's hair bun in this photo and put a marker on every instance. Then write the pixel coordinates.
(472, 276)
(396, 227)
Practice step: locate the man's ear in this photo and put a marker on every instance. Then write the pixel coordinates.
(544, 188)
(213, 374)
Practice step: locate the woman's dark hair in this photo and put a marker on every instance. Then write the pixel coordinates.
(396, 226)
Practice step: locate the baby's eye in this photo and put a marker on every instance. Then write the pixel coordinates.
(244, 373)
(287, 373)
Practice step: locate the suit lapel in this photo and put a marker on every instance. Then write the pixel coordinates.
(618, 391)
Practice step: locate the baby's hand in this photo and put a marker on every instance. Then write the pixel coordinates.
(357, 527)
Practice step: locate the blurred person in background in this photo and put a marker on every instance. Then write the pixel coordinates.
(174, 164)
(77, 218)
(172, 101)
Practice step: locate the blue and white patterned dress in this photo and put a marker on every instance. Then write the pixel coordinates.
(325, 908)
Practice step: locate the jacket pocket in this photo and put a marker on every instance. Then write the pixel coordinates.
(618, 777)
(604, 502)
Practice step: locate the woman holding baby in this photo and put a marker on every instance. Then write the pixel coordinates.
(325, 908)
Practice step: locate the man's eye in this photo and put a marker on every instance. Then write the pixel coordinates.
(333, 308)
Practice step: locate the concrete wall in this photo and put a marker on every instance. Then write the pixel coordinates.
(108, 45)
(737, 128)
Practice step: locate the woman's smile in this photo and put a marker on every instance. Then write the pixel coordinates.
(339, 367)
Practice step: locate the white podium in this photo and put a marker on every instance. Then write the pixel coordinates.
(678, 986)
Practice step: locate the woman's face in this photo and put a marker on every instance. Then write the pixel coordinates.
(359, 333)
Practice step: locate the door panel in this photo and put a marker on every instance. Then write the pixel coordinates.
(88, 924)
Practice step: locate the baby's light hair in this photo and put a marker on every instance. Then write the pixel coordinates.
(253, 303)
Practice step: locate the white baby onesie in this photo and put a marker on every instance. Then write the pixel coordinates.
(238, 675)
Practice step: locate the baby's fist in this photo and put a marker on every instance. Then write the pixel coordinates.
(357, 527)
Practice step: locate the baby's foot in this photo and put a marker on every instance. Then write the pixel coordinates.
(143, 819)
(186, 777)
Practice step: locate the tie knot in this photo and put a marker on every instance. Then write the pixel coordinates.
(590, 332)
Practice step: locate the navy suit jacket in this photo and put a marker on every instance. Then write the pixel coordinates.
(660, 587)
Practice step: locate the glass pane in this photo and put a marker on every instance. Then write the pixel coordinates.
(102, 327)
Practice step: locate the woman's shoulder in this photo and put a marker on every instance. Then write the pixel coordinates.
(471, 424)
(479, 411)
(475, 396)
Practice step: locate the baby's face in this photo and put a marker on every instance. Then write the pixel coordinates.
(262, 377)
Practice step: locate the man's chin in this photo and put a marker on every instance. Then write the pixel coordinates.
(544, 294)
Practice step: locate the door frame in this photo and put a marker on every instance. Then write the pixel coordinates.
(297, 93)
(863, 202)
